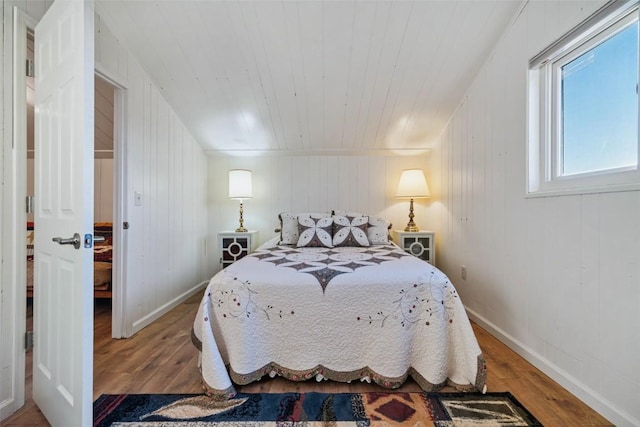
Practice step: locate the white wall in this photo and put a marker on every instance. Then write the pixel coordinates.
(309, 183)
(165, 246)
(556, 278)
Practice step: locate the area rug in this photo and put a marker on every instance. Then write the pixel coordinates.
(313, 410)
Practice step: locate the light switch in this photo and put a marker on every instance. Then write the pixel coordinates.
(138, 198)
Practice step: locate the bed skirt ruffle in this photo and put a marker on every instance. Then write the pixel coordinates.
(321, 373)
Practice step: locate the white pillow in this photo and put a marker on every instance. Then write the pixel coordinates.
(378, 231)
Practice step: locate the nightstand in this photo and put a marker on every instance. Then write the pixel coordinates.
(234, 246)
(418, 243)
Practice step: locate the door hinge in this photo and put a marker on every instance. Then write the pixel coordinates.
(29, 204)
(30, 67)
(28, 340)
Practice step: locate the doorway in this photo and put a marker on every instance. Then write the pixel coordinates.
(104, 188)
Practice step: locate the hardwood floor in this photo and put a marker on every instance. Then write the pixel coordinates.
(161, 359)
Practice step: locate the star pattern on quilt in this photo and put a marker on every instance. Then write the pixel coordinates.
(287, 252)
(378, 260)
(262, 256)
(324, 276)
(370, 252)
(353, 266)
(325, 264)
(302, 266)
(279, 261)
(395, 255)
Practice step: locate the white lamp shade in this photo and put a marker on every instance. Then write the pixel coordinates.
(413, 185)
(240, 184)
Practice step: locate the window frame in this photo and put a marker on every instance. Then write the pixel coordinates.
(544, 116)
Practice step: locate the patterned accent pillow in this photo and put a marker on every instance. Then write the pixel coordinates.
(289, 226)
(350, 231)
(378, 231)
(315, 232)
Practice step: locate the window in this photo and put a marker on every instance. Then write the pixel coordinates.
(583, 107)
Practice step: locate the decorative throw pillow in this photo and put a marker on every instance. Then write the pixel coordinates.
(289, 226)
(350, 231)
(378, 231)
(315, 232)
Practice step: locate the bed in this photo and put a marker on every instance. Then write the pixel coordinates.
(333, 298)
(102, 262)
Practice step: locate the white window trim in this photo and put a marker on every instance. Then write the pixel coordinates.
(543, 177)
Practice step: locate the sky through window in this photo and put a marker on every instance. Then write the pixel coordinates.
(600, 106)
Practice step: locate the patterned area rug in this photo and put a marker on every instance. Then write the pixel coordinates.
(312, 409)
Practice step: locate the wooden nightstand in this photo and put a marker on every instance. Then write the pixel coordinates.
(418, 243)
(234, 246)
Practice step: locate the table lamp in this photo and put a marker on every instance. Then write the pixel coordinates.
(240, 188)
(412, 185)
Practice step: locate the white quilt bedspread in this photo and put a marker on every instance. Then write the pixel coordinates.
(374, 314)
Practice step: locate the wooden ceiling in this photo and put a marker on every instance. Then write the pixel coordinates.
(311, 75)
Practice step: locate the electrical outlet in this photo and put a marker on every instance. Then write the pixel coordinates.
(463, 272)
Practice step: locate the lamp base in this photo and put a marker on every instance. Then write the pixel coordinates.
(241, 228)
(411, 227)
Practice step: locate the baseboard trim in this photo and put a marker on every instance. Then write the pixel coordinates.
(594, 400)
(139, 324)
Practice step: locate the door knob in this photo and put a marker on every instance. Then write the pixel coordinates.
(75, 241)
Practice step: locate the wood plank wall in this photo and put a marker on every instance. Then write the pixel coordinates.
(103, 190)
(556, 278)
(103, 119)
(165, 249)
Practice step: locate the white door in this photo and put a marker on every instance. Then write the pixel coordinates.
(63, 282)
